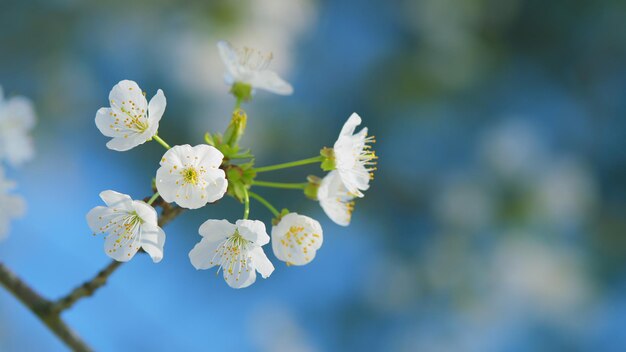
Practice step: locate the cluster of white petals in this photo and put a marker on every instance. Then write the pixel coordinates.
(131, 120)
(296, 239)
(354, 158)
(17, 119)
(235, 248)
(11, 206)
(354, 165)
(129, 225)
(250, 66)
(191, 176)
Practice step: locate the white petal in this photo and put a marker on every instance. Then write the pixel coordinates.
(337, 212)
(333, 197)
(146, 212)
(98, 218)
(229, 57)
(216, 230)
(348, 128)
(156, 107)
(116, 200)
(217, 185)
(126, 92)
(203, 254)
(106, 123)
(122, 251)
(271, 82)
(254, 231)
(208, 156)
(261, 263)
(122, 144)
(190, 196)
(152, 240)
(15, 205)
(10, 208)
(19, 112)
(241, 277)
(17, 146)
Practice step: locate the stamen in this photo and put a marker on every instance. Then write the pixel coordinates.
(232, 256)
(253, 59)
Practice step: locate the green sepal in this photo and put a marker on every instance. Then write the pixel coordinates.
(239, 178)
(241, 91)
(280, 216)
(209, 139)
(328, 164)
(310, 191)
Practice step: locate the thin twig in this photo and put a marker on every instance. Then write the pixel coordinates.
(86, 289)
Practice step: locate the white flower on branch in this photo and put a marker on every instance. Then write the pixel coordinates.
(11, 206)
(235, 248)
(335, 199)
(296, 239)
(190, 176)
(17, 118)
(250, 66)
(129, 225)
(130, 120)
(354, 158)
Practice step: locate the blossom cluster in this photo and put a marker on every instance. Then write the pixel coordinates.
(194, 176)
(17, 119)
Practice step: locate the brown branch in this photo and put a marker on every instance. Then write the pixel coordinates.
(41, 307)
(86, 289)
(50, 312)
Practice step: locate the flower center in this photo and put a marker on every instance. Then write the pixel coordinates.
(136, 118)
(124, 228)
(190, 175)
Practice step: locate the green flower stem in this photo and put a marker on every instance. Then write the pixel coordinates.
(153, 198)
(265, 202)
(161, 142)
(238, 103)
(317, 159)
(280, 185)
(246, 204)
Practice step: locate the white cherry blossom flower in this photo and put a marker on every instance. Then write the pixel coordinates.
(190, 176)
(354, 158)
(130, 120)
(335, 199)
(11, 206)
(17, 118)
(250, 66)
(235, 248)
(128, 225)
(296, 239)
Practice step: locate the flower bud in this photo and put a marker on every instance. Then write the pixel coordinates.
(236, 128)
